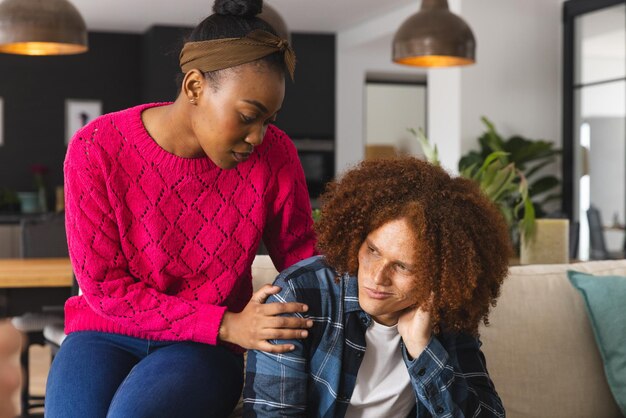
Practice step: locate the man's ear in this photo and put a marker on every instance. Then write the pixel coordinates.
(192, 86)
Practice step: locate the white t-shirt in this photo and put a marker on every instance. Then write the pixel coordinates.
(383, 387)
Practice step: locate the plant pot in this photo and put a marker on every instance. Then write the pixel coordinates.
(29, 202)
(549, 245)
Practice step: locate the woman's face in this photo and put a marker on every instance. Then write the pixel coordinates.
(387, 275)
(231, 119)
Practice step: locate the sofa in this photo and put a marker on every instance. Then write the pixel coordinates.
(539, 346)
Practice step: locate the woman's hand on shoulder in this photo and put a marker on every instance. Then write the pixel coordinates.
(260, 322)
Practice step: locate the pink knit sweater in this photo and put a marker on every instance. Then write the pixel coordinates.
(162, 245)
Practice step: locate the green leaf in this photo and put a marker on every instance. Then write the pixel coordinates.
(471, 158)
(544, 184)
(430, 151)
(551, 198)
(494, 140)
(496, 155)
(529, 173)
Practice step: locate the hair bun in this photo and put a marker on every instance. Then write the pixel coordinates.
(242, 8)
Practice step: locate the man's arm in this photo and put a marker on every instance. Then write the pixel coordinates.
(276, 384)
(450, 378)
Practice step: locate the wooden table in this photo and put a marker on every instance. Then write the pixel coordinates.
(26, 284)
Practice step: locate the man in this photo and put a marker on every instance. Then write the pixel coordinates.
(413, 260)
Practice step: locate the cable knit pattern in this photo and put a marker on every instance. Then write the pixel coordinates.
(162, 245)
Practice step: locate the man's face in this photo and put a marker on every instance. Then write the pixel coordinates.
(387, 275)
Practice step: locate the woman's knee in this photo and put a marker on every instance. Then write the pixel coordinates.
(85, 375)
(182, 380)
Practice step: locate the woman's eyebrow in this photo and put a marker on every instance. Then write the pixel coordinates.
(257, 104)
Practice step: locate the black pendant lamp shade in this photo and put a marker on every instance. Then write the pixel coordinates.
(41, 27)
(271, 16)
(434, 37)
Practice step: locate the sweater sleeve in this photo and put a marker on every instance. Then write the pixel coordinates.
(102, 271)
(289, 235)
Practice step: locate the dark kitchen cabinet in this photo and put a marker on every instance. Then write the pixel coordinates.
(309, 107)
(160, 69)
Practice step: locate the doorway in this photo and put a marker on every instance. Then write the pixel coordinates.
(391, 109)
(594, 125)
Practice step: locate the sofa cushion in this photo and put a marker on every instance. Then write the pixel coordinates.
(263, 271)
(540, 348)
(605, 300)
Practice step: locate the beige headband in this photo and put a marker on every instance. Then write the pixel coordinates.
(218, 54)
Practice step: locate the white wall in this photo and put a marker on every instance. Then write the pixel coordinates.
(516, 82)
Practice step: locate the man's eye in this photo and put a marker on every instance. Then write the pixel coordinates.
(401, 267)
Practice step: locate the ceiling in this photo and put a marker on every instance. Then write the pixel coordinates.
(136, 16)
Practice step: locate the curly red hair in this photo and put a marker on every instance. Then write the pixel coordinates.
(463, 239)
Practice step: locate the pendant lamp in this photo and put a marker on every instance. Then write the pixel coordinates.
(271, 16)
(434, 37)
(41, 27)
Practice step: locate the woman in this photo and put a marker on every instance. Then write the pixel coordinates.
(166, 206)
(413, 260)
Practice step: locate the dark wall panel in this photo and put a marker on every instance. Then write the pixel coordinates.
(34, 90)
(161, 48)
(309, 107)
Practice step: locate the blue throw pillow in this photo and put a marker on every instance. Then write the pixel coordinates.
(605, 299)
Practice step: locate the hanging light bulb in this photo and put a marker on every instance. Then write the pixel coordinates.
(271, 16)
(41, 27)
(434, 37)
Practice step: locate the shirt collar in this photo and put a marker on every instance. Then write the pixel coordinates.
(351, 298)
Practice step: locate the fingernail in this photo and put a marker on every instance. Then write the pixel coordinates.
(291, 348)
(304, 334)
(309, 323)
(305, 308)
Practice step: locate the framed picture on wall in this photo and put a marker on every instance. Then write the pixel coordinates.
(79, 112)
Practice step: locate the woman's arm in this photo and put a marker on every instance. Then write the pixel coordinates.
(288, 235)
(101, 268)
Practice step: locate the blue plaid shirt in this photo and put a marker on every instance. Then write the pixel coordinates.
(317, 379)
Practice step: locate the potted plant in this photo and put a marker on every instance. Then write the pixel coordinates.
(529, 156)
(9, 202)
(502, 169)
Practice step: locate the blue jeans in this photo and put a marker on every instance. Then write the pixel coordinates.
(96, 374)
